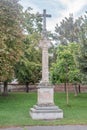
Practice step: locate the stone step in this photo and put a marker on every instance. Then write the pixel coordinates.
(46, 107)
(45, 110)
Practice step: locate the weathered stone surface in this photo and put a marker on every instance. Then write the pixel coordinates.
(45, 71)
(45, 95)
(46, 112)
(45, 108)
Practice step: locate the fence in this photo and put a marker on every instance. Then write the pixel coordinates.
(57, 88)
(71, 88)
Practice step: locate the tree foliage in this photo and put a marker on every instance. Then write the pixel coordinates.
(10, 37)
(32, 21)
(28, 69)
(67, 31)
(65, 70)
(82, 55)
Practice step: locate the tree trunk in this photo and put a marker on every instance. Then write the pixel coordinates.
(27, 88)
(79, 88)
(67, 95)
(65, 87)
(76, 90)
(5, 89)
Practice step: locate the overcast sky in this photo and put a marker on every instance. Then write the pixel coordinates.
(57, 8)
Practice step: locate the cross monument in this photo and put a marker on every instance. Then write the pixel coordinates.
(45, 107)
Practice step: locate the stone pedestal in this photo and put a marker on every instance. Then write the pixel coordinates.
(45, 108)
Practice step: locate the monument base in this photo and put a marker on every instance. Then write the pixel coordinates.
(45, 108)
(46, 112)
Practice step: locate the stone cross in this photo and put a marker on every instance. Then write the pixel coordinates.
(45, 107)
(44, 45)
(44, 15)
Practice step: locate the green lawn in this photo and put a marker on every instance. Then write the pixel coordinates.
(14, 109)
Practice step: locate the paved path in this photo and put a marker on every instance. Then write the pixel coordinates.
(65, 127)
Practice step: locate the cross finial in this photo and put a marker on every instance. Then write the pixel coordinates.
(44, 15)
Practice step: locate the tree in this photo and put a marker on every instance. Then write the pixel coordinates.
(82, 55)
(66, 57)
(10, 37)
(32, 22)
(65, 69)
(66, 32)
(28, 69)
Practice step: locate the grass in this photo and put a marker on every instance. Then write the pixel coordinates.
(14, 110)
